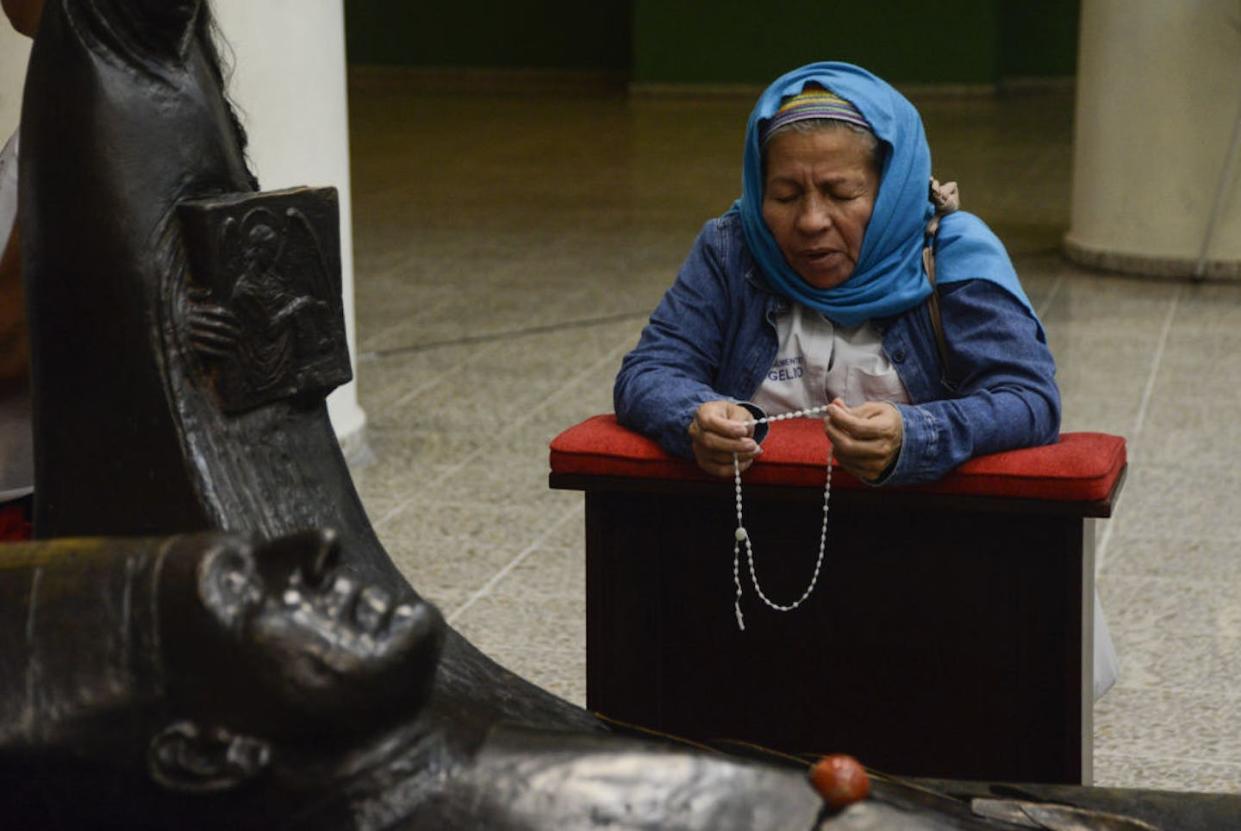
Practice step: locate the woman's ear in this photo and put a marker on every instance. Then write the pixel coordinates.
(187, 758)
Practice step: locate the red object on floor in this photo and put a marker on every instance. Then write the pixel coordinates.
(1081, 467)
(14, 524)
(840, 780)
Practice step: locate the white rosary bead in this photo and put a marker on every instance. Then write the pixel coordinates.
(783, 416)
(742, 535)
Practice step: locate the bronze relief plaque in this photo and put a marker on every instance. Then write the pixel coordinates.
(264, 308)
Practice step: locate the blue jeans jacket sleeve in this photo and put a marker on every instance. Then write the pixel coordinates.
(711, 338)
(999, 392)
(676, 366)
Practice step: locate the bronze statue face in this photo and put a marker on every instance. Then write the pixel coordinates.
(310, 649)
(277, 658)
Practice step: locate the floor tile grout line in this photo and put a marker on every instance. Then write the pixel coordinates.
(1148, 391)
(487, 347)
(1191, 581)
(432, 383)
(1156, 634)
(366, 355)
(1113, 573)
(508, 506)
(1144, 757)
(1051, 296)
(484, 590)
(1105, 539)
(1228, 696)
(529, 331)
(525, 418)
(571, 511)
(1142, 456)
(1139, 421)
(541, 651)
(1202, 635)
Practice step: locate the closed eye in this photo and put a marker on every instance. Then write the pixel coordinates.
(784, 193)
(848, 194)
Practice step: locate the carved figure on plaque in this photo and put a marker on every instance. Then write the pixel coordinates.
(265, 308)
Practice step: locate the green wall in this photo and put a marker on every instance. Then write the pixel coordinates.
(542, 34)
(724, 41)
(742, 41)
(1039, 39)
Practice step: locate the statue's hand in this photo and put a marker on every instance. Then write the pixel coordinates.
(213, 329)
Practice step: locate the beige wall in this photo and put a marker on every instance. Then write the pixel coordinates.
(289, 80)
(1159, 90)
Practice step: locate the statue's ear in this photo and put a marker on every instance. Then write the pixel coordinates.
(188, 758)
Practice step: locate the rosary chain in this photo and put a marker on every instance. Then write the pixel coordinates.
(743, 536)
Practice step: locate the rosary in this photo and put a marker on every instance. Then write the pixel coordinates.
(742, 536)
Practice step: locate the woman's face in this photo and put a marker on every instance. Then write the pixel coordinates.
(818, 195)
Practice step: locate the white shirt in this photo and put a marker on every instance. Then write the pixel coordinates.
(818, 361)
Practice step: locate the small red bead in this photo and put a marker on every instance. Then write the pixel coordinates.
(840, 780)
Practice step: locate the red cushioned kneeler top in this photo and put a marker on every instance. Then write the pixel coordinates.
(1082, 467)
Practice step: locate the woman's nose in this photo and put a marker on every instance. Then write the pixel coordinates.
(814, 216)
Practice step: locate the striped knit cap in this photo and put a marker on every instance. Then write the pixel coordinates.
(812, 102)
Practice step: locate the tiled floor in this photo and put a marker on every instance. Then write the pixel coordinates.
(508, 251)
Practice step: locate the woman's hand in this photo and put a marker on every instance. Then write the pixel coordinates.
(865, 439)
(718, 431)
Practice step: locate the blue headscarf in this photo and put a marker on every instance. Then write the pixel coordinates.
(888, 278)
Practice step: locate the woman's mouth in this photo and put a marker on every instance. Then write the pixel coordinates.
(824, 268)
(821, 258)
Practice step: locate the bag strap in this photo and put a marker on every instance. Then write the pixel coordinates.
(937, 321)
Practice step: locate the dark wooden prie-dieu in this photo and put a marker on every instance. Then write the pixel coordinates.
(947, 636)
(209, 634)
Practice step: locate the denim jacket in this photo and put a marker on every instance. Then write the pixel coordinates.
(713, 337)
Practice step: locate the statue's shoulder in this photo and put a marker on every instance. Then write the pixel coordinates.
(141, 34)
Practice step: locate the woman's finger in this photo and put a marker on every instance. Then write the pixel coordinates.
(852, 423)
(849, 449)
(872, 420)
(724, 418)
(714, 465)
(725, 444)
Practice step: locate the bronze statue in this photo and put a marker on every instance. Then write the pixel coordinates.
(214, 664)
(209, 311)
(210, 681)
(214, 681)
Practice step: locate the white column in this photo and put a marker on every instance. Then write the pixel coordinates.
(289, 83)
(1158, 99)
